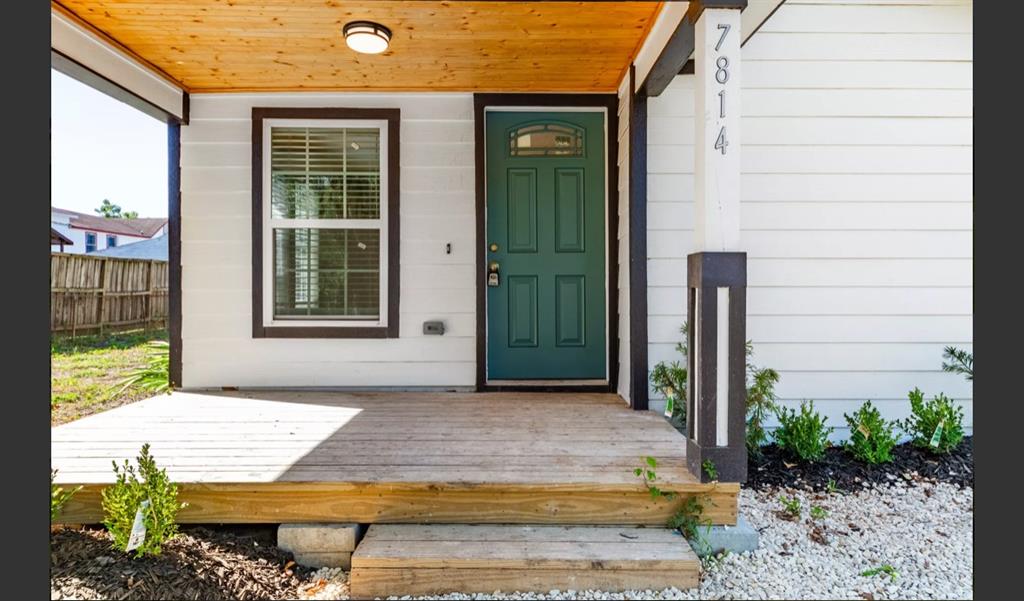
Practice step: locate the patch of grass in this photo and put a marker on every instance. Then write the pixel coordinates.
(886, 569)
(85, 371)
(818, 512)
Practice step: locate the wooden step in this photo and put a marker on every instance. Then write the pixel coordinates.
(409, 559)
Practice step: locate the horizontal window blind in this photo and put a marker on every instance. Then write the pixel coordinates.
(325, 218)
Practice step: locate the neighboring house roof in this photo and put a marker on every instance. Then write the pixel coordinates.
(154, 248)
(59, 238)
(142, 227)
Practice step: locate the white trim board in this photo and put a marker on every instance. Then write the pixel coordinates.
(97, 55)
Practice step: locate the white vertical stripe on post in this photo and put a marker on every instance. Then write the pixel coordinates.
(696, 368)
(722, 370)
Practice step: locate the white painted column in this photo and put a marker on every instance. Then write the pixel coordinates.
(717, 269)
(717, 122)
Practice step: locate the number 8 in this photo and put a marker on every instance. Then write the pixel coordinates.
(722, 74)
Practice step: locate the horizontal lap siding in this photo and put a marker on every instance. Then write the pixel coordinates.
(437, 207)
(857, 201)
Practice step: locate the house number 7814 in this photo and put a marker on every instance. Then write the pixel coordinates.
(722, 76)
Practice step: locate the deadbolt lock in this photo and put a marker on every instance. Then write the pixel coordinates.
(494, 247)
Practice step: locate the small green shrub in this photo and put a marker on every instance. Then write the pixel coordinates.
(936, 425)
(791, 508)
(58, 497)
(670, 380)
(709, 468)
(871, 437)
(760, 404)
(818, 512)
(155, 376)
(804, 434)
(958, 361)
(123, 499)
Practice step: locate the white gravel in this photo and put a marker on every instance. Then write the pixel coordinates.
(924, 531)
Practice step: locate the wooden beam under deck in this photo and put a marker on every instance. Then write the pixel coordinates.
(391, 458)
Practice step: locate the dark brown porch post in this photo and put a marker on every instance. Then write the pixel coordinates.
(716, 402)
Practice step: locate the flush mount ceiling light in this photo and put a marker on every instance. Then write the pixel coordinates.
(367, 37)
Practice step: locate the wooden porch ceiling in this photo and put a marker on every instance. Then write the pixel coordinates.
(287, 45)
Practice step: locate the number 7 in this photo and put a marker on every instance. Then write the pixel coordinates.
(725, 31)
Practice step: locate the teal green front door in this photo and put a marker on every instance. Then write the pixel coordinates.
(545, 246)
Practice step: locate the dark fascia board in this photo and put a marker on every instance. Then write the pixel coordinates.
(677, 51)
(394, 118)
(75, 70)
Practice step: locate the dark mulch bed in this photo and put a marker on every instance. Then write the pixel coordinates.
(910, 464)
(199, 563)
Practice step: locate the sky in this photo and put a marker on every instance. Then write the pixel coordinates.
(102, 148)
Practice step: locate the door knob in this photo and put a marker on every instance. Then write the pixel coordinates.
(493, 267)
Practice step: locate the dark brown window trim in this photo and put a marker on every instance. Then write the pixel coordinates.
(554, 101)
(394, 118)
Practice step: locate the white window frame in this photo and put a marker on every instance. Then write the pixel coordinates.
(269, 224)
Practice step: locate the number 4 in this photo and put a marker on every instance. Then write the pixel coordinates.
(721, 142)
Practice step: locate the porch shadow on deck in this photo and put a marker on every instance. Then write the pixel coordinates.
(390, 457)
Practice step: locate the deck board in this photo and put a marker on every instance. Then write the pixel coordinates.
(360, 456)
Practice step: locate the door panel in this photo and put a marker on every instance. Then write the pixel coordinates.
(545, 215)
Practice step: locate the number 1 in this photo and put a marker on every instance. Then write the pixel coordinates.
(721, 104)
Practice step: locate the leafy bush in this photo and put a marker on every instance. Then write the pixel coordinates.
(58, 497)
(936, 425)
(871, 437)
(124, 498)
(803, 434)
(155, 376)
(958, 361)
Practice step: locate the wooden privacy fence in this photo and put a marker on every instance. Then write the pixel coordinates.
(90, 293)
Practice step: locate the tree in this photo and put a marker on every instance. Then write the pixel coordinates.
(113, 211)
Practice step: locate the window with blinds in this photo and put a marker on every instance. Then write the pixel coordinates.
(325, 222)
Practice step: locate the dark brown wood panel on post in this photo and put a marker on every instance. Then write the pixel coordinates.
(708, 273)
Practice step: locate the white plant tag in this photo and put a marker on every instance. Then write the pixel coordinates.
(138, 535)
(937, 435)
(361, 245)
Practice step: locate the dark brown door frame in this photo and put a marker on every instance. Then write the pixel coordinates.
(610, 102)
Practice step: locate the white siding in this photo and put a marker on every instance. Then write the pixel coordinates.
(857, 201)
(437, 207)
(622, 200)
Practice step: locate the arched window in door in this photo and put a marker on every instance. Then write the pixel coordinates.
(549, 138)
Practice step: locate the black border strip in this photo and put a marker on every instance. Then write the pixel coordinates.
(610, 102)
(394, 119)
(639, 394)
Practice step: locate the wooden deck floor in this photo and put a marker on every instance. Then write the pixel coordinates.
(390, 457)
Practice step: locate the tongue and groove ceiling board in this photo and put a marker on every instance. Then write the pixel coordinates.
(280, 45)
